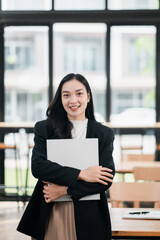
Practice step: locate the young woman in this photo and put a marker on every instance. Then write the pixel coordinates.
(70, 115)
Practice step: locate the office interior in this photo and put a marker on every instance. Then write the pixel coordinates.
(115, 44)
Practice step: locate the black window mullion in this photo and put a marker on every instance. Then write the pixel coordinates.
(1, 73)
(108, 88)
(50, 54)
(106, 4)
(158, 74)
(52, 5)
(2, 156)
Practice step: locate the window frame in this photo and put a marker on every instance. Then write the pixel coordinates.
(108, 17)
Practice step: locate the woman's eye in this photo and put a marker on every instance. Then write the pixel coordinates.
(80, 93)
(65, 95)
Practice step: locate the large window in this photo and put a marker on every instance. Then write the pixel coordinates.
(79, 4)
(133, 4)
(18, 54)
(26, 73)
(113, 43)
(26, 5)
(133, 74)
(80, 48)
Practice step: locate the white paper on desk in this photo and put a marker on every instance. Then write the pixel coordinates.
(76, 153)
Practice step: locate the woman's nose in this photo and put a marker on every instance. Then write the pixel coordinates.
(73, 99)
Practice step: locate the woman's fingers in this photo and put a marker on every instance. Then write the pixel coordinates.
(94, 173)
(106, 169)
(46, 196)
(53, 192)
(45, 191)
(102, 182)
(47, 183)
(47, 200)
(106, 174)
(46, 187)
(106, 179)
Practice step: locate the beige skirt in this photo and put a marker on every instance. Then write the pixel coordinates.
(61, 225)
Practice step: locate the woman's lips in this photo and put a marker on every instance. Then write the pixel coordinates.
(74, 108)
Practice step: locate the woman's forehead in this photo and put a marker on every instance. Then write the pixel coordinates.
(73, 85)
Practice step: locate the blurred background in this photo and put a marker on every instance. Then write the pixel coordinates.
(80, 48)
(113, 43)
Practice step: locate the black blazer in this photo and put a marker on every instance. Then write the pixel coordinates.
(92, 218)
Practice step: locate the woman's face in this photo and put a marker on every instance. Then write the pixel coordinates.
(75, 99)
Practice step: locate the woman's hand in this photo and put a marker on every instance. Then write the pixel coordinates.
(96, 174)
(53, 191)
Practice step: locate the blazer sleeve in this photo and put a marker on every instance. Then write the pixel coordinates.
(82, 188)
(46, 170)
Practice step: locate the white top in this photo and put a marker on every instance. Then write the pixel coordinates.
(79, 128)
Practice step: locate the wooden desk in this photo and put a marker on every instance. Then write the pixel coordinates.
(133, 228)
(119, 129)
(156, 125)
(129, 129)
(127, 167)
(6, 127)
(139, 129)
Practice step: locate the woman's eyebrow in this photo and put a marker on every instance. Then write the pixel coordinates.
(81, 89)
(65, 91)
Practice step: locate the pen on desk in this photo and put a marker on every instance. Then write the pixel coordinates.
(144, 212)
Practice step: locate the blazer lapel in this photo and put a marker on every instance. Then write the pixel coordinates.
(89, 133)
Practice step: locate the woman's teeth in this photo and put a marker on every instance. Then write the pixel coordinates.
(74, 107)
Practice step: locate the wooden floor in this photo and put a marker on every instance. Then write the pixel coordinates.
(9, 218)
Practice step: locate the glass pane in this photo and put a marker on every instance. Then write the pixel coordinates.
(133, 4)
(133, 75)
(26, 73)
(79, 4)
(26, 5)
(80, 48)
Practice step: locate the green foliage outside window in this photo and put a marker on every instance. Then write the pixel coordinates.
(145, 47)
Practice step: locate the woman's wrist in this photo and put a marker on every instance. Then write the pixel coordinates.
(81, 175)
(64, 190)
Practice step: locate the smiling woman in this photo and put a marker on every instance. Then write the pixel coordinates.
(70, 115)
(75, 99)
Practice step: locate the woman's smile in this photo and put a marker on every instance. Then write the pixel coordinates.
(74, 108)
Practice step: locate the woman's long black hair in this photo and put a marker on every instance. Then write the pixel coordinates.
(58, 116)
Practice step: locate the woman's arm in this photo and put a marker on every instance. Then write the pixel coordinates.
(83, 188)
(92, 174)
(46, 170)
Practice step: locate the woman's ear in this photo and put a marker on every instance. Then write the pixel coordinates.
(88, 97)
